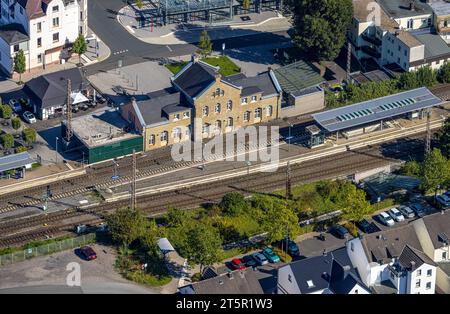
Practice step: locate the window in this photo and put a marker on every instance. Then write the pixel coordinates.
(244, 100)
(39, 58)
(39, 42)
(269, 111)
(151, 140)
(258, 113)
(164, 136)
(217, 92)
(229, 105)
(410, 23)
(177, 133)
(247, 116)
(205, 128)
(55, 37)
(230, 122)
(310, 284)
(16, 48)
(39, 27)
(186, 114)
(428, 285)
(418, 283)
(55, 9)
(444, 255)
(217, 108)
(290, 278)
(205, 111)
(218, 125)
(81, 15)
(56, 22)
(429, 272)
(254, 98)
(176, 117)
(21, 10)
(419, 272)
(352, 246)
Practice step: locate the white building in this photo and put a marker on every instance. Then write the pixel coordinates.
(391, 262)
(43, 29)
(396, 35)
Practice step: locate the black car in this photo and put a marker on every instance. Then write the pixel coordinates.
(367, 227)
(293, 248)
(340, 231)
(84, 106)
(249, 261)
(100, 99)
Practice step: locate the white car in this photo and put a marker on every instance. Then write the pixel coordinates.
(29, 117)
(386, 219)
(396, 214)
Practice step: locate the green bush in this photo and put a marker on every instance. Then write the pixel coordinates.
(6, 111)
(285, 258)
(196, 277)
(29, 135)
(146, 278)
(7, 141)
(234, 204)
(20, 149)
(352, 229)
(16, 123)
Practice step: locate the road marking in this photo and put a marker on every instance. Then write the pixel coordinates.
(170, 49)
(120, 52)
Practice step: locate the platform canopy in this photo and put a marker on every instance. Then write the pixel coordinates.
(78, 98)
(165, 246)
(15, 161)
(376, 110)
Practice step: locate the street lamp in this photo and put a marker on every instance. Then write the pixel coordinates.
(56, 151)
(248, 166)
(289, 138)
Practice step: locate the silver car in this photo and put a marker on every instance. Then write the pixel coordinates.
(406, 211)
(260, 258)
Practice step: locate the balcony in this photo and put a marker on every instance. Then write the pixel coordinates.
(371, 52)
(373, 40)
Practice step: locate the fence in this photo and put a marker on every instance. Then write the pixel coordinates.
(46, 249)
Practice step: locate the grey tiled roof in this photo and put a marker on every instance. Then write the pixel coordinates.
(412, 258)
(435, 46)
(437, 224)
(13, 34)
(195, 78)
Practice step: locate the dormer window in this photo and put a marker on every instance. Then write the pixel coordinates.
(55, 9)
(176, 117)
(186, 114)
(310, 284)
(254, 98)
(244, 100)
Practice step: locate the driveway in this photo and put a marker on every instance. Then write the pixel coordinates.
(48, 274)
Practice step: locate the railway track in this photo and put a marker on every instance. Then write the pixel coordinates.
(341, 165)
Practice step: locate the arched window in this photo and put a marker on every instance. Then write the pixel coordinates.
(177, 133)
(217, 108)
(229, 105)
(205, 111)
(247, 116)
(218, 126)
(151, 140)
(164, 136)
(258, 113)
(230, 121)
(269, 111)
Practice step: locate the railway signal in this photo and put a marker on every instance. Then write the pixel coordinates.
(133, 182)
(288, 181)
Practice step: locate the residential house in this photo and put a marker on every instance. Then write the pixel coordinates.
(203, 102)
(330, 273)
(441, 12)
(234, 282)
(43, 29)
(48, 93)
(396, 35)
(391, 261)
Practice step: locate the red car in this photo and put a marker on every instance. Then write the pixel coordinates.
(237, 264)
(88, 253)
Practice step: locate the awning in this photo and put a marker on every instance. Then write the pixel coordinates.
(164, 245)
(78, 98)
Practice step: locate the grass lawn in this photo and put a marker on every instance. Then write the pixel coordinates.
(227, 67)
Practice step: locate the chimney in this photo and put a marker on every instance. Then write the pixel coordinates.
(413, 264)
(345, 271)
(412, 6)
(324, 253)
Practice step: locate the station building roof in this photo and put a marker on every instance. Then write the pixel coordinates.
(376, 109)
(15, 161)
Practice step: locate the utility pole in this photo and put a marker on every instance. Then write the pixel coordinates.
(133, 182)
(69, 131)
(428, 139)
(288, 181)
(349, 61)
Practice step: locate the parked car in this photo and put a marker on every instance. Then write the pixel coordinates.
(406, 211)
(237, 264)
(25, 102)
(83, 106)
(29, 117)
(292, 247)
(100, 99)
(270, 255)
(418, 209)
(386, 219)
(443, 201)
(75, 108)
(340, 231)
(88, 253)
(366, 226)
(396, 214)
(249, 261)
(15, 105)
(260, 258)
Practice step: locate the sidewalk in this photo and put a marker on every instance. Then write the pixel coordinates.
(189, 32)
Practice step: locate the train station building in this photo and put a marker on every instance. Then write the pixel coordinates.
(376, 114)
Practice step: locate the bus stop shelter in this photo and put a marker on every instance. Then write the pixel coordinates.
(15, 162)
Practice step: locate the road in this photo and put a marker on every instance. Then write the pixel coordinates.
(103, 21)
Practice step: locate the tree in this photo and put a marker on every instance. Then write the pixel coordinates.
(205, 44)
(234, 204)
(6, 111)
(280, 221)
(355, 207)
(444, 73)
(436, 171)
(443, 137)
(320, 26)
(7, 141)
(126, 225)
(79, 46)
(20, 64)
(176, 217)
(203, 245)
(16, 124)
(412, 169)
(29, 135)
(246, 4)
